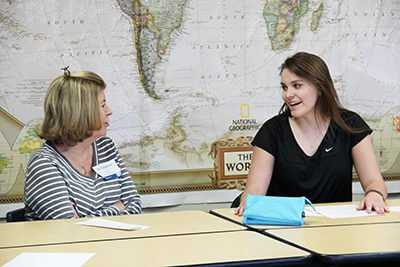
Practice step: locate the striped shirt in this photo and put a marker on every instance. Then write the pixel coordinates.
(54, 188)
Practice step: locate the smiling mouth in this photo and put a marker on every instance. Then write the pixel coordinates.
(292, 104)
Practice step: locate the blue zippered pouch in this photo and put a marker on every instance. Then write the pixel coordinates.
(268, 210)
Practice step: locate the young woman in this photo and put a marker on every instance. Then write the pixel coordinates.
(78, 172)
(309, 148)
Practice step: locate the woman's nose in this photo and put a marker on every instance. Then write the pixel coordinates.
(289, 93)
(109, 111)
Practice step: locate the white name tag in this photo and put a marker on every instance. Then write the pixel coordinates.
(108, 170)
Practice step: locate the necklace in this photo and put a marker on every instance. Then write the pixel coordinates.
(81, 168)
(312, 142)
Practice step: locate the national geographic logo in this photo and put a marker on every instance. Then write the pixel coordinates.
(244, 111)
(245, 123)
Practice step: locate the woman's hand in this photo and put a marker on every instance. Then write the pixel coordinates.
(239, 210)
(74, 211)
(119, 205)
(373, 201)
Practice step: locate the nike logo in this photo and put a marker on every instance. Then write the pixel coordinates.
(328, 149)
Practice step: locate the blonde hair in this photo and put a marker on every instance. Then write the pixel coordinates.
(71, 108)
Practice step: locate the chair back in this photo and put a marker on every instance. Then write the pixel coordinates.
(236, 201)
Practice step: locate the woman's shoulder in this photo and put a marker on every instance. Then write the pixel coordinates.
(276, 121)
(104, 140)
(276, 126)
(105, 143)
(46, 150)
(346, 113)
(350, 117)
(356, 122)
(45, 153)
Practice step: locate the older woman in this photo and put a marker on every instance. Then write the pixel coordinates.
(309, 148)
(78, 171)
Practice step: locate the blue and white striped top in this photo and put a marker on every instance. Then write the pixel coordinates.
(53, 186)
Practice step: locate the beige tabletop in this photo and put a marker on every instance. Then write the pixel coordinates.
(346, 241)
(176, 250)
(313, 221)
(64, 231)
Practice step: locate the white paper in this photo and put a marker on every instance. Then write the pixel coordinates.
(395, 208)
(308, 211)
(30, 259)
(342, 211)
(114, 225)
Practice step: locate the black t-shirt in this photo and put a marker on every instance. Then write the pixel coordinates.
(324, 177)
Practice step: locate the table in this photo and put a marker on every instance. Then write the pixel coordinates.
(212, 248)
(67, 231)
(316, 221)
(366, 243)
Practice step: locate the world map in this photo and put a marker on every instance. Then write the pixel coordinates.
(183, 74)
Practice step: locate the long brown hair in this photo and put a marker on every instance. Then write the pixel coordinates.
(313, 69)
